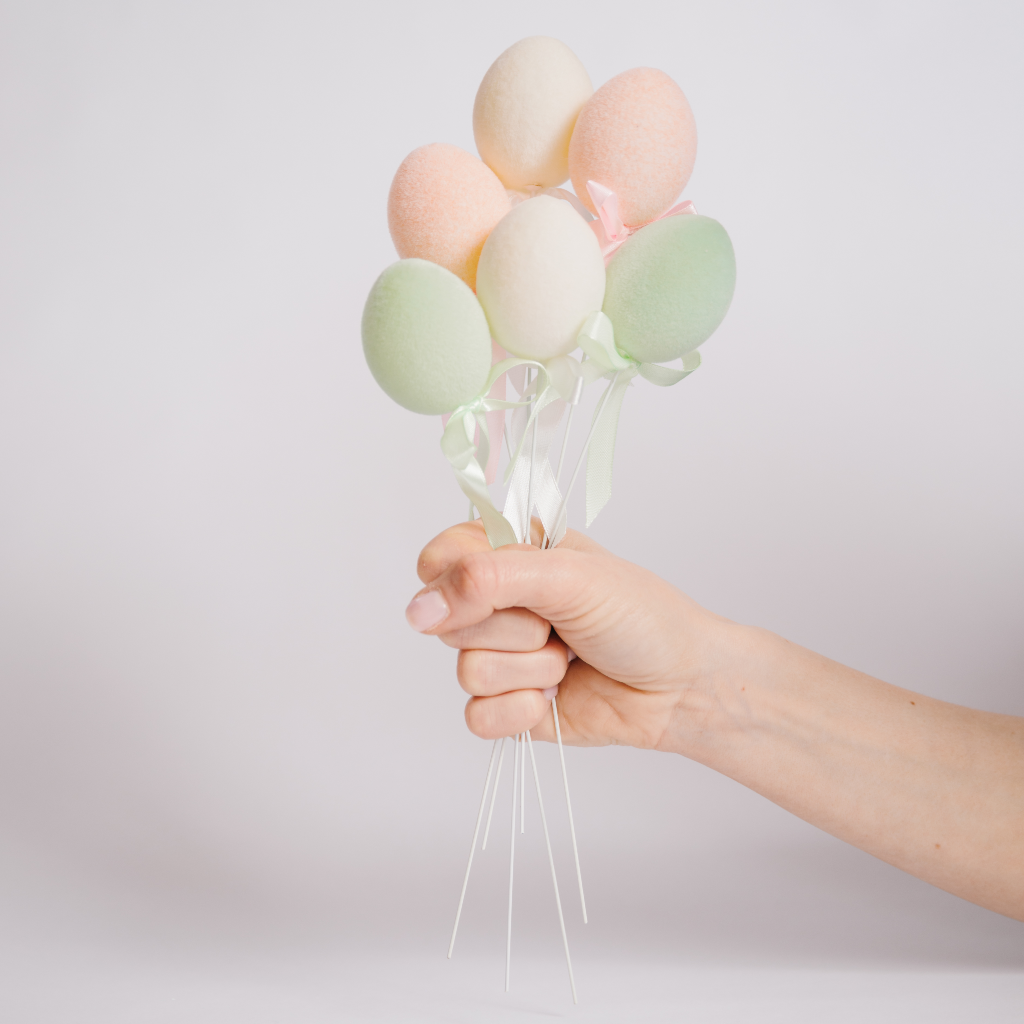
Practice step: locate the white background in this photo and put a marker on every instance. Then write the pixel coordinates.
(233, 784)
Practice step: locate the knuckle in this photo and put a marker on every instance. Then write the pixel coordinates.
(539, 630)
(430, 564)
(474, 578)
(468, 670)
(473, 718)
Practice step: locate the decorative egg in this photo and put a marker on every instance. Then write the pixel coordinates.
(636, 136)
(442, 206)
(525, 110)
(425, 337)
(669, 287)
(540, 275)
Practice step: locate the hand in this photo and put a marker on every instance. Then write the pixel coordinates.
(646, 653)
(932, 788)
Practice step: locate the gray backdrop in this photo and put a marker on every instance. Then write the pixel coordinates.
(233, 784)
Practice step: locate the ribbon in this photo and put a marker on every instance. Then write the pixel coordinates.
(565, 385)
(466, 444)
(597, 339)
(608, 227)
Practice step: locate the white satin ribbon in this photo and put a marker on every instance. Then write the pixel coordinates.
(597, 339)
(466, 444)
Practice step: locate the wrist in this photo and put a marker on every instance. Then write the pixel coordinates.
(726, 697)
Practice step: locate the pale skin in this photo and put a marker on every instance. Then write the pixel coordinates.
(930, 787)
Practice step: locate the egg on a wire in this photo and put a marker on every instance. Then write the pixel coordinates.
(443, 204)
(669, 287)
(425, 337)
(636, 136)
(540, 275)
(525, 110)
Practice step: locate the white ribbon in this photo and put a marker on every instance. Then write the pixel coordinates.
(468, 458)
(565, 381)
(597, 339)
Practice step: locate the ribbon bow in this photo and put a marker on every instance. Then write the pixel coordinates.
(467, 458)
(608, 227)
(597, 339)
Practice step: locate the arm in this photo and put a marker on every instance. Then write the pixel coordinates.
(930, 787)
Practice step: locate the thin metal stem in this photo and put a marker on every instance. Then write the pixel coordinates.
(472, 849)
(551, 861)
(522, 794)
(583, 455)
(511, 866)
(565, 436)
(568, 805)
(494, 793)
(565, 443)
(529, 491)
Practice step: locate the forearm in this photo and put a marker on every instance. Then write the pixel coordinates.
(930, 787)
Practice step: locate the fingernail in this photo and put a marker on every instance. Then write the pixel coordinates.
(426, 611)
(572, 654)
(550, 692)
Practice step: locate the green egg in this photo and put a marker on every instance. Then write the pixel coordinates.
(669, 287)
(425, 337)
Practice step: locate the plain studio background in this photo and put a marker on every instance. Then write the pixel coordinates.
(234, 785)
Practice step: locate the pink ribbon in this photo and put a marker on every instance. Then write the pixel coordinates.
(608, 227)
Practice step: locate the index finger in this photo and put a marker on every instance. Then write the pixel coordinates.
(466, 538)
(552, 584)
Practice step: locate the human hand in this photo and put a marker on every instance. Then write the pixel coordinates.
(646, 659)
(930, 787)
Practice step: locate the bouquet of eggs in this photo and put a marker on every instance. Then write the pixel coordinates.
(505, 276)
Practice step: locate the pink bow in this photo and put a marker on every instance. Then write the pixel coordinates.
(608, 227)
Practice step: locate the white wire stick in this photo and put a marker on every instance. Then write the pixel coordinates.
(529, 496)
(551, 861)
(522, 793)
(472, 849)
(568, 805)
(583, 455)
(565, 443)
(511, 865)
(494, 792)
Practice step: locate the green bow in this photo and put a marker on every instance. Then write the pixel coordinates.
(597, 339)
(468, 459)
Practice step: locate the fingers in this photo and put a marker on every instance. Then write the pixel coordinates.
(491, 717)
(593, 710)
(465, 538)
(512, 629)
(487, 673)
(448, 547)
(483, 582)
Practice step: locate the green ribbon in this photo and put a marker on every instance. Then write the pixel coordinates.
(597, 339)
(467, 459)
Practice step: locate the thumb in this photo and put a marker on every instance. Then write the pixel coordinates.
(549, 583)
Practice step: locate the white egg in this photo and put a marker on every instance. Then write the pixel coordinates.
(540, 276)
(525, 111)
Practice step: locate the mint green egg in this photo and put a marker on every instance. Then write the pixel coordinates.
(425, 337)
(669, 287)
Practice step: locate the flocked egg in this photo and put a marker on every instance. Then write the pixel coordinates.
(442, 206)
(636, 136)
(525, 111)
(669, 287)
(540, 275)
(425, 337)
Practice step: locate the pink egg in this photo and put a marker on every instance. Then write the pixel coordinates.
(442, 206)
(636, 135)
